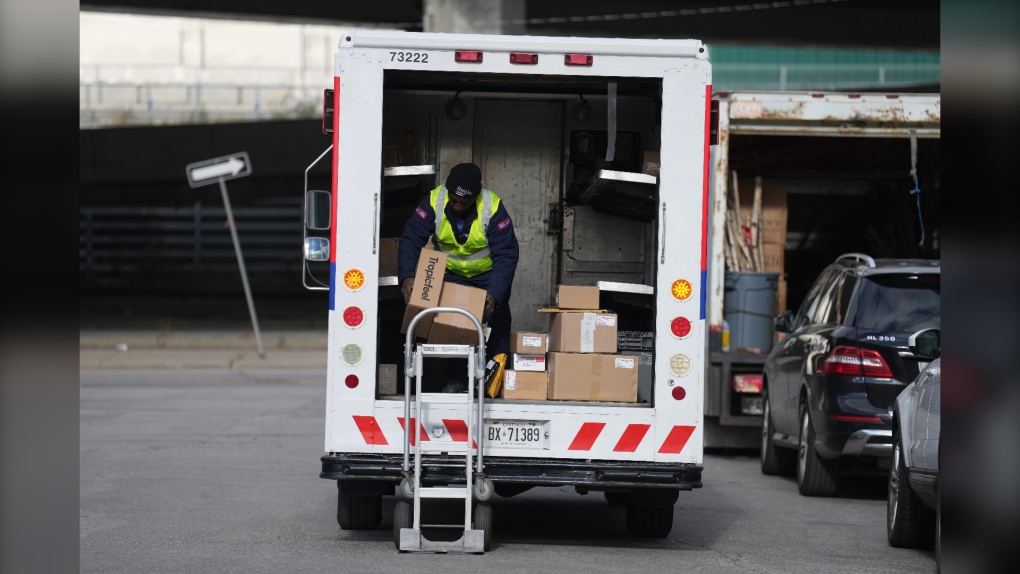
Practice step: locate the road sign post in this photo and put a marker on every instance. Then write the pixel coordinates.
(218, 170)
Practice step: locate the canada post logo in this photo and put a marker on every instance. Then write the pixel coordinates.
(503, 224)
(420, 213)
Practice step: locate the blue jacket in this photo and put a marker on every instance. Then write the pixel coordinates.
(500, 235)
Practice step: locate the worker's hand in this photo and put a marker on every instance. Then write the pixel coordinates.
(405, 287)
(490, 306)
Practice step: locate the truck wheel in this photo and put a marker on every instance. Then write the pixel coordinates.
(482, 520)
(358, 512)
(617, 498)
(907, 522)
(403, 517)
(775, 460)
(815, 475)
(649, 521)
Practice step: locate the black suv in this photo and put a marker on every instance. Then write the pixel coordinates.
(831, 383)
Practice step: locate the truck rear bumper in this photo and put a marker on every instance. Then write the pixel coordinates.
(586, 475)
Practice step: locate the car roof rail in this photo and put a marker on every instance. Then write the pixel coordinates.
(858, 257)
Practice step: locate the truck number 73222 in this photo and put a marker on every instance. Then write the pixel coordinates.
(416, 57)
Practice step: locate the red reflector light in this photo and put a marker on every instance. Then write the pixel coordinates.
(523, 58)
(680, 327)
(856, 419)
(351, 381)
(747, 383)
(892, 96)
(679, 393)
(817, 95)
(467, 56)
(353, 316)
(853, 96)
(578, 60)
(855, 362)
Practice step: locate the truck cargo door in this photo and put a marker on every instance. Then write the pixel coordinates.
(517, 146)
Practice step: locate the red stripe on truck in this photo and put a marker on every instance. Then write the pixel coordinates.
(586, 436)
(370, 430)
(631, 438)
(676, 440)
(421, 429)
(704, 178)
(458, 431)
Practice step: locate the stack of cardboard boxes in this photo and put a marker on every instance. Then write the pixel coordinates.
(431, 291)
(773, 231)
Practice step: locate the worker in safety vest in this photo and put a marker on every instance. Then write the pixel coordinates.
(471, 225)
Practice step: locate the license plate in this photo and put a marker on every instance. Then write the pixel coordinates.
(517, 434)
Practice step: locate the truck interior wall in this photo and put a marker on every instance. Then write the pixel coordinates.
(845, 194)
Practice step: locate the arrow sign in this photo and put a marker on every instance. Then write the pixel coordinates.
(221, 168)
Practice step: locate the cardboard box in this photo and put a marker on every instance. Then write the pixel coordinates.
(525, 385)
(579, 332)
(773, 209)
(773, 256)
(387, 380)
(428, 284)
(405, 143)
(577, 297)
(534, 363)
(593, 377)
(781, 296)
(528, 343)
(650, 164)
(388, 256)
(456, 329)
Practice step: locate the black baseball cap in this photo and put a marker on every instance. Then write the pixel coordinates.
(465, 180)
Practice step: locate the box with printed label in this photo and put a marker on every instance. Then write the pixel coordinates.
(773, 256)
(577, 297)
(454, 328)
(428, 284)
(577, 332)
(593, 377)
(525, 385)
(528, 343)
(650, 165)
(528, 362)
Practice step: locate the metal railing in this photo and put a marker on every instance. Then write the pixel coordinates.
(134, 240)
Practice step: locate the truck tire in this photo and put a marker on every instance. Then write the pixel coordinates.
(649, 521)
(482, 520)
(908, 523)
(617, 498)
(358, 512)
(815, 475)
(775, 461)
(403, 517)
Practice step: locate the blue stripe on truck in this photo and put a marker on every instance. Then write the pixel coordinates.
(332, 284)
(704, 290)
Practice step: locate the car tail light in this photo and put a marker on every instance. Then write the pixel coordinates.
(856, 419)
(468, 57)
(856, 362)
(523, 58)
(578, 60)
(747, 383)
(353, 317)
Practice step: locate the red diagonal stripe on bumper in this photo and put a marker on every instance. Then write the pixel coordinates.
(421, 430)
(631, 438)
(370, 430)
(676, 439)
(586, 436)
(458, 431)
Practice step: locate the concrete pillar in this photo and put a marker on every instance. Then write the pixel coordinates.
(474, 16)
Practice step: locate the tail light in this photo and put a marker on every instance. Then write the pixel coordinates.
(578, 60)
(353, 317)
(523, 58)
(467, 56)
(855, 362)
(747, 383)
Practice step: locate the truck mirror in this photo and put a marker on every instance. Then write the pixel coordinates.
(316, 249)
(317, 207)
(925, 343)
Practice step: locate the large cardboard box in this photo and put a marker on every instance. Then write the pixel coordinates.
(528, 362)
(781, 296)
(650, 164)
(428, 283)
(773, 209)
(453, 328)
(580, 332)
(388, 256)
(593, 377)
(525, 385)
(773, 255)
(528, 343)
(577, 297)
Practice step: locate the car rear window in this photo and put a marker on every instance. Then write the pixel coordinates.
(904, 303)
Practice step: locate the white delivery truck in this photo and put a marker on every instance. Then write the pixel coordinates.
(567, 132)
(839, 166)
